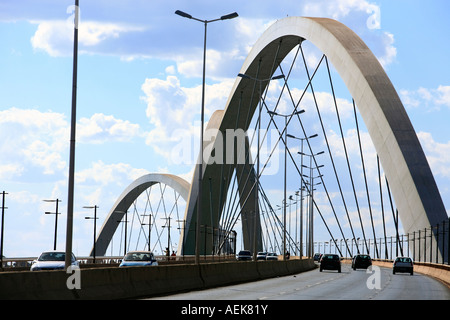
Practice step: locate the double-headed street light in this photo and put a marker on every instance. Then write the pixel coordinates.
(200, 171)
(301, 184)
(311, 192)
(56, 219)
(95, 225)
(272, 113)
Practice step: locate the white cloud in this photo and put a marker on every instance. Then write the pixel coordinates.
(35, 142)
(102, 174)
(174, 111)
(101, 128)
(443, 96)
(130, 38)
(438, 154)
(337, 9)
(56, 36)
(387, 51)
(31, 138)
(102, 183)
(433, 99)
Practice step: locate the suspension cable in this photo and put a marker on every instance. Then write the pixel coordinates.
(348, 161)
(365, 178)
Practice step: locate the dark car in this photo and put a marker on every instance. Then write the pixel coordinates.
(244, 255)
(361, 261)
(403, 264)
(317, 257)
(330, 262)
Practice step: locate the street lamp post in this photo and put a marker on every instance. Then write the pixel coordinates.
(168, 235)
(71, 182)
(285, 170)
(311, 192)
(126, 222)
(95, 225)
(200, 168)
(184, 235)
(3, 227)
(149, 229)
(301, 184)
(56, 219)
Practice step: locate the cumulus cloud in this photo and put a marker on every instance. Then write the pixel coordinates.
(35, 141)
(100, 128)
(145, 38)
(438, 154)
(56, 36)
(433, 99)
(31, 139)
(103, 174)
(174, 111)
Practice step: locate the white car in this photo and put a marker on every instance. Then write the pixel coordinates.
(138, 258)
(272, 256)
(261, 256)
(52, 260)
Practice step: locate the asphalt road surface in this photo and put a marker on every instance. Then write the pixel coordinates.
(376, 284)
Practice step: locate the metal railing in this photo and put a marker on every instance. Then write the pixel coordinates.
(431, 244)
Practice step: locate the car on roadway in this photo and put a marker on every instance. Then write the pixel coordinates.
(139, 259)
(403, 264)
(244, 255)
(317, 257)
(330, 261)
(272, 256)
(261, 256)
(52, 260)
(361, 261)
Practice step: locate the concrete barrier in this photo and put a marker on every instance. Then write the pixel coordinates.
(133, 282)
(440, 272)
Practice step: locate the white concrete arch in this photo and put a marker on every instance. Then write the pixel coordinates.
(126, 199)
(405, 165)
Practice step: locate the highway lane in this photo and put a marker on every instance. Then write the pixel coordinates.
(380, 284)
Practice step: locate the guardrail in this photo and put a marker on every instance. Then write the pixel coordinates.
(23, 264)
(133, 282)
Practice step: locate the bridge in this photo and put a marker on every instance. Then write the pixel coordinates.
(285, 114)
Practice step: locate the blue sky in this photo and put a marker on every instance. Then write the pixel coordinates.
(138, 61)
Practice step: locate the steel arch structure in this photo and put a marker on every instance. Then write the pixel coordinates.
(126, 199)
(412, 183)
